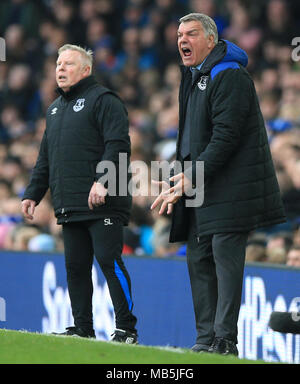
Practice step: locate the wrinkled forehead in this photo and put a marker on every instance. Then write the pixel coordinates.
(69, 55)
(190, 26)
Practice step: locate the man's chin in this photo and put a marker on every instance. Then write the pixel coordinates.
(188, 62)
(63, 86)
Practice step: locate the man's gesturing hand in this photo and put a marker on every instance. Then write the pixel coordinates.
(170, 196)
(163, 198)
(28, 207)
(97, 195)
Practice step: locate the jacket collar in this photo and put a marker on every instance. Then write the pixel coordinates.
(77, 88)
(215, 56)
(224, 51)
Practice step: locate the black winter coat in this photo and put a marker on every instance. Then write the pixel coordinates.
(84, 126)
(227, 132)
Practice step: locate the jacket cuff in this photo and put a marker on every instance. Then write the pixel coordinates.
(190, 173)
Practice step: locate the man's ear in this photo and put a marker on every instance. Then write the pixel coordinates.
(211, 42)
(87, 70)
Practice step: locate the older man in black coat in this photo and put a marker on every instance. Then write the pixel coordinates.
(220, 124)
(86, 126)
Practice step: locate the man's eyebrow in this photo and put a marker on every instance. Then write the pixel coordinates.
(67, 61)
(190, 31)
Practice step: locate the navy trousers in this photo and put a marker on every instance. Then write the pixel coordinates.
(216, 268)
(103, 239)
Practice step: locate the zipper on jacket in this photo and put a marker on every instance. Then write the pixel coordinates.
(65, 107)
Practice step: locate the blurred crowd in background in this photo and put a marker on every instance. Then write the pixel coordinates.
(135, 54)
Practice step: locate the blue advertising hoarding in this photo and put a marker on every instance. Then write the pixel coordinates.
(34, 297)
(268, 288)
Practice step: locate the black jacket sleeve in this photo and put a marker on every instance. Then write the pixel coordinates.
(39, 181)
(112, 120)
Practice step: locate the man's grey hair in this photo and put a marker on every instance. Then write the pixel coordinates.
(86, 54)
(207, 22)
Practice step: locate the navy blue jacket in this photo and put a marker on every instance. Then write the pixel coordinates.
(227, 133)
(84, 126)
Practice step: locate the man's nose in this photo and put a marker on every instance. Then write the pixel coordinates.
(182, 39)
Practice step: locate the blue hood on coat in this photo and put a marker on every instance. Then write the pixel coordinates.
(235, 53)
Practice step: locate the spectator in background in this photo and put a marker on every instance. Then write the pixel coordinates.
(283, 240)
(15, 42)
(138, 236)
(42, 98)
(87, 10)
(97, 32)
(134, 16)
(24, 12)
(20, 88)
(210, 8)
(11, 168)
(21, 235)
(5, 189)
(296, 233)
(293, 257)
(12, 126)
(161, 233)
(42, 243)
(255, 252)
(280, 26)
(69, 20)
(130, 52)
(286, 155)
(278, 246)
(256, 248)
(150, 55)
(242, 30)
(276, 255)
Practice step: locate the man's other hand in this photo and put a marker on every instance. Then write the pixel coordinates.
(28, 207)
(164, 199)
(97, 195)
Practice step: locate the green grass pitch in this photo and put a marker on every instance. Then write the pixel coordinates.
(18, 347)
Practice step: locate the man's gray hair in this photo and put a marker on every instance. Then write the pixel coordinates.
(207, 22)
(86, 54)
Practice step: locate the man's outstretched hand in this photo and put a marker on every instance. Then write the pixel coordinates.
(170, 195)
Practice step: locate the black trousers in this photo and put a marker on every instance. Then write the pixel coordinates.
(104, 239)
(216, 268)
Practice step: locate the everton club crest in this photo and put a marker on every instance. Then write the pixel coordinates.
(202, 83)
(79, 105)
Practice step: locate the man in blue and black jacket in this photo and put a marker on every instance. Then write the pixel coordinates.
(86, 126)
(221, 125)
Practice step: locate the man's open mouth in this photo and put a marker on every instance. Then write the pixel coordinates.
(186, 52)
(62, 77)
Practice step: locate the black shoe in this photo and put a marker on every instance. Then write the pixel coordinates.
(122, 336)
(76, 331)
(199, 348)
(223, 346)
